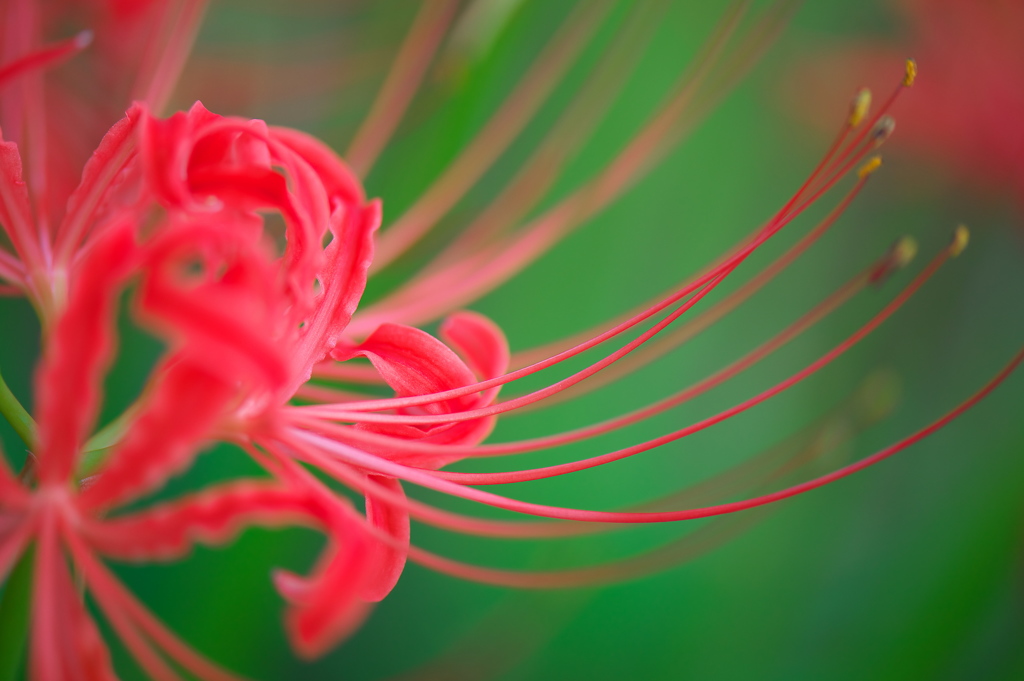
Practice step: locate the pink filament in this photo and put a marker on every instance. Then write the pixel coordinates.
(400, 87)
(519, 107)
(325, 448)
(130, 618)
(684, 395)
(44, 57)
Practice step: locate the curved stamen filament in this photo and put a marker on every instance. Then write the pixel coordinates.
(131, 620)
(355, 436)
(425, 299)
(430, 295)
(821, 362)
(45, 57)
(400, 85)
(572, 130)
(320, 448)
(675, 553)
(350, 413)
(796, 451)
(698, 287)
(707, 318)
(519, 107)
(166, 58)
(528, 357)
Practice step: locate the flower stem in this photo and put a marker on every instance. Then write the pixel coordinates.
(16, 415)
(14, 617)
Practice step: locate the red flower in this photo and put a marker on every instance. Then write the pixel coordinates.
(185, 271)
(60, 95)
(251, 246)
(966, 115)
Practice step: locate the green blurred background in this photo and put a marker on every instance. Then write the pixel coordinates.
(910, 570)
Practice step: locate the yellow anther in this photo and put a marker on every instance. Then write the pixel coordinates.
(870, 166)
(903, 251)
(883, 129)
(859, 107)
(961, 237)
(908, 79)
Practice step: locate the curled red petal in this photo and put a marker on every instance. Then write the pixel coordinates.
(164, 147)
(340, 182)
(392, 519)
(344, 279)
(324, 606)
(482, 344)
(167, 531)
(327, 606)
(183, 408)
(77, 354)
(413, 362)
(213, 294)
(199, 164)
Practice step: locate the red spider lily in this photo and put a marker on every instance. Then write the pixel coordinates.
(267, 345)
(188, 398)
(967, 112)
(135, 51)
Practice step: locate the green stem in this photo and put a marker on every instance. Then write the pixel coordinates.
(16, 415)
(14, 618)
(14, 604)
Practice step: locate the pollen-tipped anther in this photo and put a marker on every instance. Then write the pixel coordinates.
(903, 252)
(961, 237)
(911, 75)
(883, 130)
(870, 166)
(859, 107)
(899, 256)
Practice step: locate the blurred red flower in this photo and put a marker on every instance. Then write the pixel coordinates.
(967, 114)
(248, 248)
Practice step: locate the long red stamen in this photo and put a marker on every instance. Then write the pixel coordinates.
(698, 286)
(131, 619)
(713, 314)
(797, 450)
(519, 107)
(402, 82)
(528, 357)
(166, 58)
(809, 370)
(675, 553)
(566, 137)
(348, 412)
(425, 299)
(307, 440)
(45, 57)
(895, 259)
